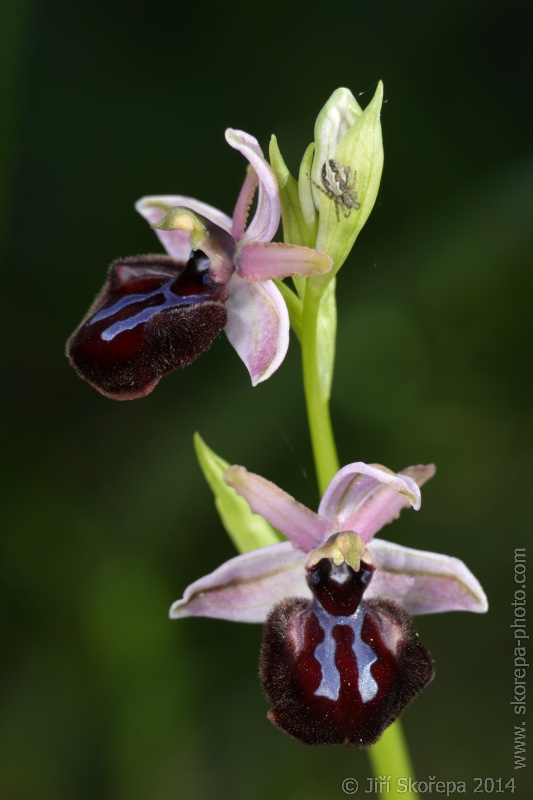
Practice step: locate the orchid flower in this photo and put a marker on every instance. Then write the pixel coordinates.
(338, 668)
(158, 313)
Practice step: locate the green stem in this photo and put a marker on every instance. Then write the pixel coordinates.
(389, 757)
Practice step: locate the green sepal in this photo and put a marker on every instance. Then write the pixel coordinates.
(247, 531)
(305, 193)
(361, 150)
(295, 229)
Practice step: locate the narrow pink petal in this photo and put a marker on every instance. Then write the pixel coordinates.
(244, 202)
(176, 243)
(363, 498)
(423, 582)
(261, 261)
(245, 588)
(299, 524)
(258, 326)
(268, 213)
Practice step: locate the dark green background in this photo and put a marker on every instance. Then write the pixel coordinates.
(108, 517)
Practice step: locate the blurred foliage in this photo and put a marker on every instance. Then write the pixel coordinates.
(101, 696)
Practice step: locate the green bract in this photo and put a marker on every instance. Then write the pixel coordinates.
(247, 530)
(296, 228)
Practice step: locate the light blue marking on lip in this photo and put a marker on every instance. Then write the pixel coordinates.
(170, 300)
(325, 655)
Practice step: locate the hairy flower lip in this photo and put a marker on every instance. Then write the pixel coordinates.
(125, 343)
(341, 679)
(361, 498)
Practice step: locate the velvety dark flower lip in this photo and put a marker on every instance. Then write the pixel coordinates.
(126, 342)
(338, 669)
(339, 678)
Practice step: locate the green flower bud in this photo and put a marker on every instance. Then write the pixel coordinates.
(346, 171)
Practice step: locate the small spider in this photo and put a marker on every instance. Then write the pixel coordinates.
(339, 186)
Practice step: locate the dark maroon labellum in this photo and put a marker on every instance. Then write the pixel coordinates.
(339, 670)
(152, 316)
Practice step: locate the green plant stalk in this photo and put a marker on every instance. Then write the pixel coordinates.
(389, 757)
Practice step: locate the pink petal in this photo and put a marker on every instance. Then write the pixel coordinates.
(363, 498)
(423, 582)
(299, 524)
(245, 588)
(261, 261)
(176, 243)
(244, 201)
(258, 326)
(268, 213)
